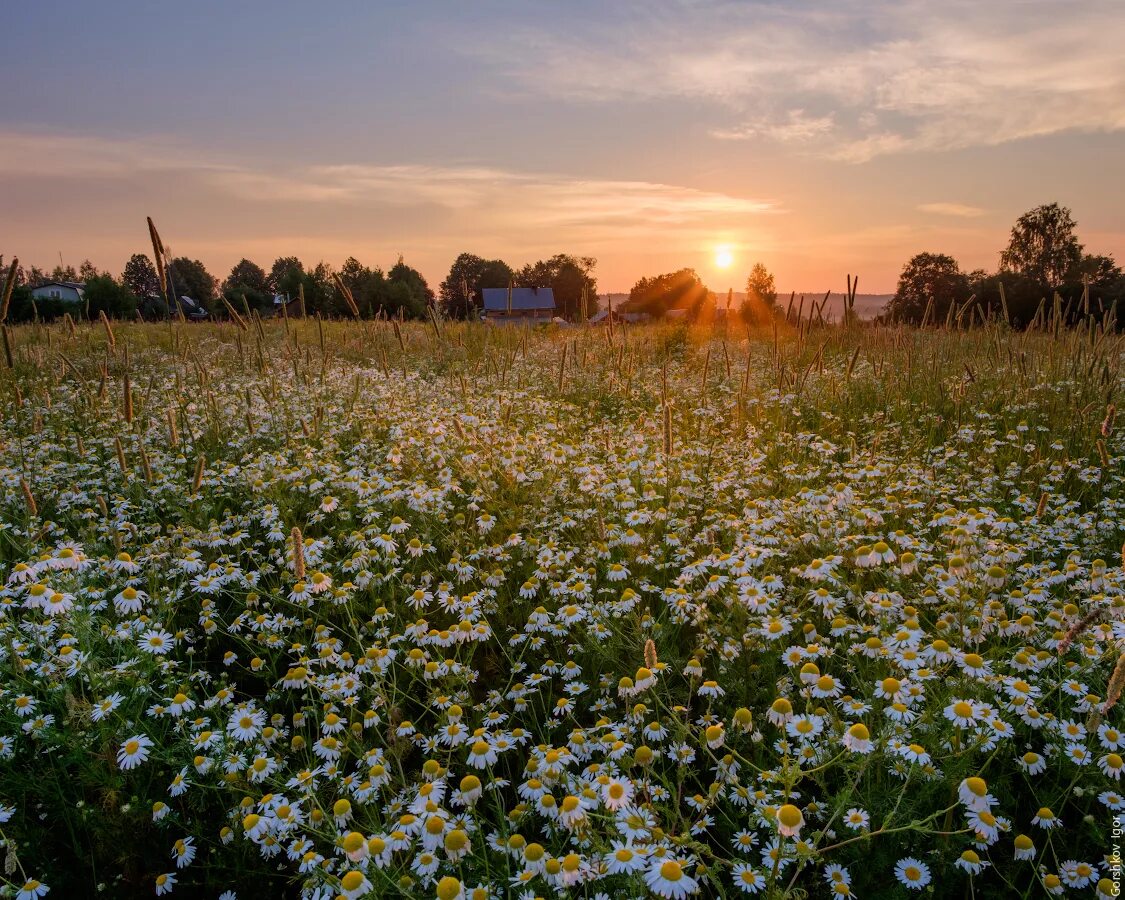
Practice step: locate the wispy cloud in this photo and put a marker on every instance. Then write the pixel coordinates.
(796, 127)
(884, 77)
(959, 210)
(461, 196)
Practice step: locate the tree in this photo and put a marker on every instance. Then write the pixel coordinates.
(320, 293)
(761, 295)
(247, 281)
(1043, 246)
(1097, 270)
(419, 295)
(569, 279)
(87, 270)
(21, 274)
(285, 276)
(683, 289)
(140, 276)
(929, 280)
(104, 294)
(460, 293)
(63, 273)
(191, 278)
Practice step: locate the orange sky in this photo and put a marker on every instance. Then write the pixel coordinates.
(825, 139)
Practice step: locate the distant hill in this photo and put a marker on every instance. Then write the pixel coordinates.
(867, 306)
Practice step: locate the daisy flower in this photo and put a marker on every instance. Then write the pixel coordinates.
(912, 873)
(133, 751)
(667, 878)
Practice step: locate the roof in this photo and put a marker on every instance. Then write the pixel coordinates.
(496, 299)
(73, 285)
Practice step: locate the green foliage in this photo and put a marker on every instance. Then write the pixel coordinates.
(683, 289)
(569, 277)
(190, 278)
(140, 276)
(1043, 246)
(105, 294)
(853, 505)
(761, 296)
(460, 293)
(929, 285)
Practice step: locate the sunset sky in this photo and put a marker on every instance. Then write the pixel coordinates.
(820, 138)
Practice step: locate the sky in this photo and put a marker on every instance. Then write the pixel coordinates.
(820, 138)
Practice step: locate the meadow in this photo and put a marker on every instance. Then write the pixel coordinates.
(363, 609)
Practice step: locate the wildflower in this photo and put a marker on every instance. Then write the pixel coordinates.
(1112, 764)
(354, 884)
(183, 852)
(133, 752)
(624, 859)
(912, 873)
(973, 792)
(961, 713)
(32, 890)
(970, 862)
(668, 879)
(1024, 847)
(748, 879)
(858, 739)
(790, 820)
(165, 883)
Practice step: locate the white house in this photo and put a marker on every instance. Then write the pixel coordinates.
(68, 291)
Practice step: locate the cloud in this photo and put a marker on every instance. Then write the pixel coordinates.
(458, 197)
(959, 210)
(796, 127)
(885, 77)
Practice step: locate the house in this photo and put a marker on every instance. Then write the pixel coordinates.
(192, 309)
(67, 291)
(601, 317)
(528, 306)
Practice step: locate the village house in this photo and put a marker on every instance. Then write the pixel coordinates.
(528, 306)
(67, 291)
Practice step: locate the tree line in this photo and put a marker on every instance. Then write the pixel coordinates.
(1043, 261)
(684, 291)
(398, 291)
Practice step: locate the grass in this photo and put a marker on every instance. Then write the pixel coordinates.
(346, 576)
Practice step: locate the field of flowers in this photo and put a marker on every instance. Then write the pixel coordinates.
(368, 610)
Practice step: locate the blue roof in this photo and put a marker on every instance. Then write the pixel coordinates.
(496, 299)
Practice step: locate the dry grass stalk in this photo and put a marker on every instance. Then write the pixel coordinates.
(108, 330)
(235, 317)
(9, 284)
(120, 454)
(298, 542)
(146, 465)
(1116, 684)
(127, 400)
(1042, 507)
(198, 480)
(347, 293)
(29, 498)
(173, 432)
(8, 357)
(1078, 628)
(650, 654)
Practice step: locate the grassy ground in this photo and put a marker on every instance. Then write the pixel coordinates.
(354, 608)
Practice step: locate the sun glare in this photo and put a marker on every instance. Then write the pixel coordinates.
(723, 257)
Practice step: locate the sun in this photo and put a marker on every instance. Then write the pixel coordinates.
(723, 257)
